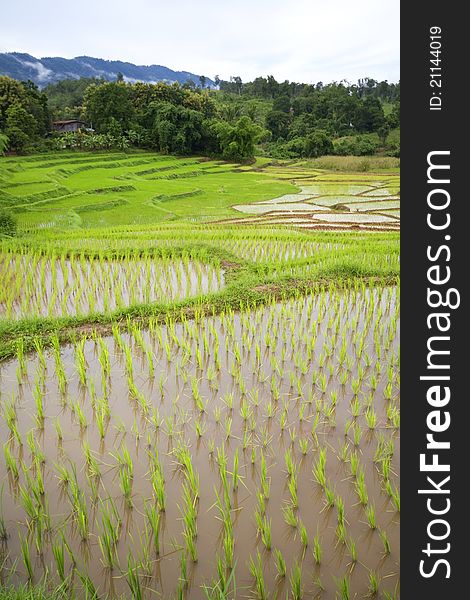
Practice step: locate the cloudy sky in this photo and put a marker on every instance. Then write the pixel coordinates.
(299, 40)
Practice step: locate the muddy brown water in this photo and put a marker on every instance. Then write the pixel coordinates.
(283, 334)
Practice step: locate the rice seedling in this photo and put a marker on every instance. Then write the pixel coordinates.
(280, 564)
(352, 551)
(264, 480)
(319, 469)
(361, 488)
(371, 418)
(354, 463)
(373, 583)
(370, 514)
(292, 486)
(256, 570)
(317, 549)
(58, 551)
(303, 446)
(264, 529)
(224, 587)
(395, 496)
(290, 516)
(229, 548)
(385, 541)
(343, 586)
(183, 578)
(154, 519)
(340, 533)
(303, 535)
(26, 556)
(296, 582)
(357, 435)
(329, 496)
(235, 473)
(10, 461)
(133, 579)
(340, 509)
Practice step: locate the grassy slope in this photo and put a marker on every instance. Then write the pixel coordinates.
(154, 193)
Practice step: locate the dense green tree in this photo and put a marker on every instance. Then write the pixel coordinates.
(369, 115)
(189, 85)
(26, 96)
(359, 145)
(65, 98)
(20, 127)
(107, 103)
(282, 103)
(35, 103)
(394, 117)
(176, 128)
(278, 124)
(237, 80)
(237, 142)
(383, 132)
(303, 125)
(318, 143)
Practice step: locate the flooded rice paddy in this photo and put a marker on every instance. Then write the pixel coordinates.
(358, 202)
(35, 284)
(257, 450)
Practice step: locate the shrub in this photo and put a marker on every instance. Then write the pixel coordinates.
(355, 146)
(7, 223)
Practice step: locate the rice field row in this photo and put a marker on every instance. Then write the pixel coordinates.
(35, 284)
(64, 276)
(263, 243)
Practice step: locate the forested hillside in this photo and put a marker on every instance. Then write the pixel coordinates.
(281, 120)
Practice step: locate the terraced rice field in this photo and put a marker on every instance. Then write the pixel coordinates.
(346, 202)
(83, 190)
(195, 402)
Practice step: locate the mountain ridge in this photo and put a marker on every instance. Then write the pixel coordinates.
(50, 69)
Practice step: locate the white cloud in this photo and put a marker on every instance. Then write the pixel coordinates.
(300, 40)
(43, 73)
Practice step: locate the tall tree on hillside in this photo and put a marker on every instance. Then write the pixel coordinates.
(277, 121)
(107, 104)
(272, 86)
(20, 127)
(202, 81)
(237, 142)
(27, 96)
(369, 115)
(237, 80)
